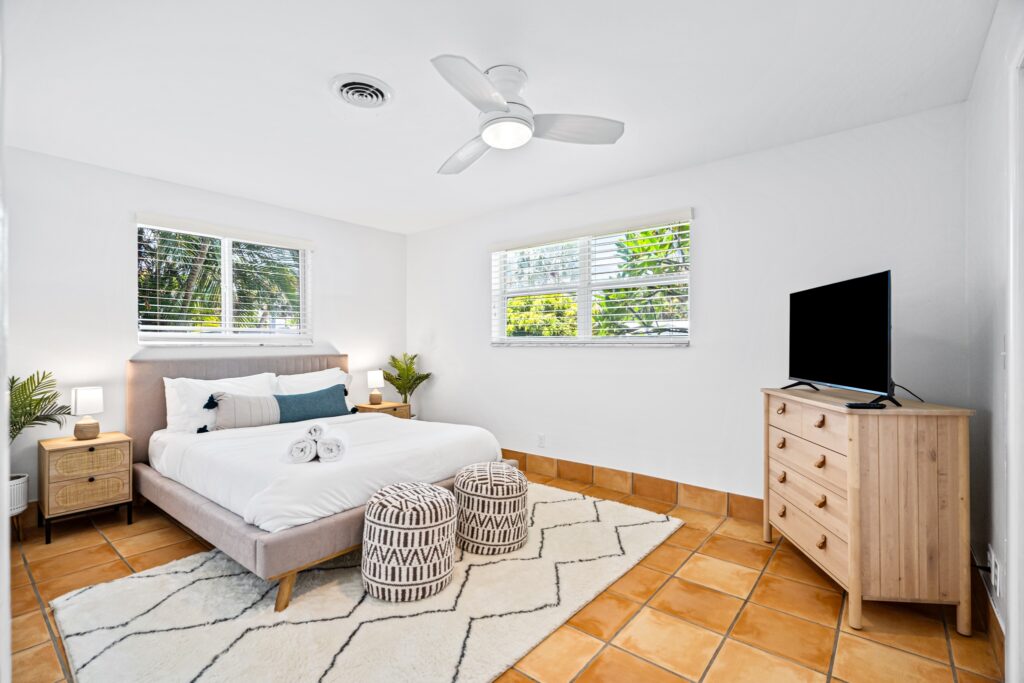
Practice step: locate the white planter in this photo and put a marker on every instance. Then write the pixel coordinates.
(19, 493)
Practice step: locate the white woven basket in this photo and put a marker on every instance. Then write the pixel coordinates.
(19, 493)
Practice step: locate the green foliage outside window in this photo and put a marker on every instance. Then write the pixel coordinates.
(624, 309)
(541, 315)
(179, 283)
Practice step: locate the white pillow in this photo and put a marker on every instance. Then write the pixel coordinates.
(186, 398)
(314, 381)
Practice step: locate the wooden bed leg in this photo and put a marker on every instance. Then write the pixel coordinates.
(284, 591)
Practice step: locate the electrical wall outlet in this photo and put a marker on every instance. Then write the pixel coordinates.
(542, 440)
(995, 574)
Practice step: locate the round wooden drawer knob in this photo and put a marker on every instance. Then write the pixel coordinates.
(822, 542)
(782, 511)
(781, 409)
(820, 462)
(92, 448)
(821, 422)
(781, 443)
(782, 477)
(820, 503)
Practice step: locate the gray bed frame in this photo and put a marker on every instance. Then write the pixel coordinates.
(276, 556)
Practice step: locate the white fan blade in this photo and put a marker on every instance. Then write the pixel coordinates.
(465, 156)
(586, 130)
(472, 83)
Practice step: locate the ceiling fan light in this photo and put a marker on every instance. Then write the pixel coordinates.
(507, 133)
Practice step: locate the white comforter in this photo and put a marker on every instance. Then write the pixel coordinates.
(241, 469)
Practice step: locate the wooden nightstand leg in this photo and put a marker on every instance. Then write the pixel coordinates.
(39, 516)
(46, 526)
(128, 507)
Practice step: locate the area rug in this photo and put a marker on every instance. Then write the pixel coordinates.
(205, 618)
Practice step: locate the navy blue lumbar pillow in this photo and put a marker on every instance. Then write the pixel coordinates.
(329, 402)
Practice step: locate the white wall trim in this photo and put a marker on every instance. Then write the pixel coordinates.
(241, 234)
(1014, 572)
(680, 215)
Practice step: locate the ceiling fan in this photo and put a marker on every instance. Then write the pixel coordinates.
(505, 121)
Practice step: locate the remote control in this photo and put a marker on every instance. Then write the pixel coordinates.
(871, 406)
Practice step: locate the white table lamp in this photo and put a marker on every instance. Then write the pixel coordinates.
(85, 401)
(375, 380)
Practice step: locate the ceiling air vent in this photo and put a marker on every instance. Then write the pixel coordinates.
(361, 90)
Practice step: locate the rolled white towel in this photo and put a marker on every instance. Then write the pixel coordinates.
(301, 450)
(333, 445)
(315, 431)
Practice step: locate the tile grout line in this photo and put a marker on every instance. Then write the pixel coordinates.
(739, 612)
(113, 547)
(608, 643)
(949, 647)
(835, 641)
(57, 650)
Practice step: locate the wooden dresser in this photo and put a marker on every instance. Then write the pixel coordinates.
(80, 475)
(877, 498)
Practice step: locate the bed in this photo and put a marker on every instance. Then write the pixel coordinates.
(276, 519)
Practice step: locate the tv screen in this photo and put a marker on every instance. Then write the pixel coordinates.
(839, 334)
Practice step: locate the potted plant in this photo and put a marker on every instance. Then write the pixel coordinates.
(405, 379)
(34, 402)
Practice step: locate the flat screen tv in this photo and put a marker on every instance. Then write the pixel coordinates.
(840, 334)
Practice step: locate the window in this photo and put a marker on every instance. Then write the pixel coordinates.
(628, 287)
(196, 288)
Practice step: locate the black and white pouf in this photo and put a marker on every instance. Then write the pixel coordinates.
(408, 542)
(492, 508)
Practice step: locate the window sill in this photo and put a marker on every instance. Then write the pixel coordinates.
(612, 342)
(226, 342)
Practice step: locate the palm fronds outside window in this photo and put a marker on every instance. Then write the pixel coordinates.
(203, 287)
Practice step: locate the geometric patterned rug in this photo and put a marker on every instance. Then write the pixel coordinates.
(206, 618)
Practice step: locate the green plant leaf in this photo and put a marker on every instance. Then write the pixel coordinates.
(405, 379)
(35, 401)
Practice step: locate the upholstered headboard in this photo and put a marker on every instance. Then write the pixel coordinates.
(146, 408)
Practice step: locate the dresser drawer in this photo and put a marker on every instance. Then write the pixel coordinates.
(821, 545)
(88, 492)
(821, 504)
(825, 427)
(784, 414)
(76, 463)
(820, 465)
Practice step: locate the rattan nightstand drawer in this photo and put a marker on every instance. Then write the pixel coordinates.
(88, 492)
(89, 461)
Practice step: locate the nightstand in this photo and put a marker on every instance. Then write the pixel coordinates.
(79, 475)
(403, 410)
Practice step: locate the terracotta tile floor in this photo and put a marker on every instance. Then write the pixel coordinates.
(84, 551)
(712, 603)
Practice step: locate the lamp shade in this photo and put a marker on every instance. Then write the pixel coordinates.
(375, 379)
(86, 400)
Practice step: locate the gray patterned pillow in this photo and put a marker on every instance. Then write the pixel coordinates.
(235, 411)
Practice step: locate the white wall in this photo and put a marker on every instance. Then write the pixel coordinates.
(72, 258)
(988, 240)
(884, 196)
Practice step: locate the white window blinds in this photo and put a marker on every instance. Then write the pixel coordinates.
(195, 288)
(625, 287)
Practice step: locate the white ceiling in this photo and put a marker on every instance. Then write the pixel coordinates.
(232, 95)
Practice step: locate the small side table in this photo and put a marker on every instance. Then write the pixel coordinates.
(403, 410)
(81, 475)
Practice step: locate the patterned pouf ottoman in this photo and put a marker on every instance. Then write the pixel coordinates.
(492, 508)
(408, 542)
